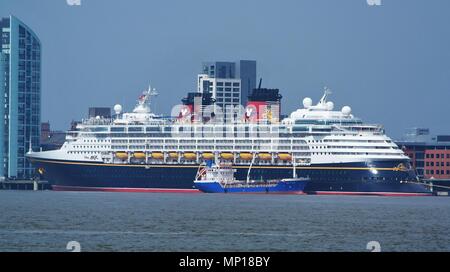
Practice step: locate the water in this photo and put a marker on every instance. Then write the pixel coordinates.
(47, 221)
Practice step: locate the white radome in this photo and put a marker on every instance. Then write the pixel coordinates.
(346, 110)
(307, 102)
(330, 105)
(117, 109)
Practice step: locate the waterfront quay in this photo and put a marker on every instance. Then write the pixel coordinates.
(34, 185)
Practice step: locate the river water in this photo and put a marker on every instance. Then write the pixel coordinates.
(48, 221)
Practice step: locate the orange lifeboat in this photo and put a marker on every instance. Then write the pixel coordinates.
(122, 155)
(190, 156)
(246, 156)
(208, 155)
(227, 156)
(264, 156)
(285, 157)
(173, 155)
(157, 155)
(139, 155)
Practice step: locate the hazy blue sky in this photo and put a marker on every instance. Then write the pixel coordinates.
(390, 63)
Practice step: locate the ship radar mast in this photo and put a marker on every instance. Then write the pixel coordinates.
(144, 101)
(322, 105)
(327, 92)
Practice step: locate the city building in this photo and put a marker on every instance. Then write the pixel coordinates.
(247, 73)
(45, 131)
(51, 139)
(430, 156)
(20, 90)
(225, 91)
(229, 82)
(103, 112)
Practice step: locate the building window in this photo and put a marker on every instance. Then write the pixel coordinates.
(437, 156)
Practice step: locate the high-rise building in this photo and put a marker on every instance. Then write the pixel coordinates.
(247, 73)
(229, 82)
(226, 91)
(20, 93)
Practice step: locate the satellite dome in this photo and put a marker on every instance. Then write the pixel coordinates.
(330, 105)
(307, 102)
(117, 109)
(346, 110)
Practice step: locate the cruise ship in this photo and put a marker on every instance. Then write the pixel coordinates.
(140, 151)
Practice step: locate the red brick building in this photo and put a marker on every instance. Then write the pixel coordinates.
(431, 159)
(437, 163)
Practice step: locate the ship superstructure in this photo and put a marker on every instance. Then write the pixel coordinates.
(141, 151)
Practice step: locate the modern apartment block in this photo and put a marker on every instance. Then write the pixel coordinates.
(230, 83)
(20, 92)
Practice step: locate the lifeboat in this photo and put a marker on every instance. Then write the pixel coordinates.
(227, 156)
(265, 156)
(173, 155)
(285, 157)
(246, 156)
(158, 155)
(122, 155)
(208, 155)
(190, 156)
(139, 155)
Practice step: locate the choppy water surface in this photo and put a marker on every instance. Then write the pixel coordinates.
(47, 221)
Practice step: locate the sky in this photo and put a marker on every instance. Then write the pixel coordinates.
(390, 63)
